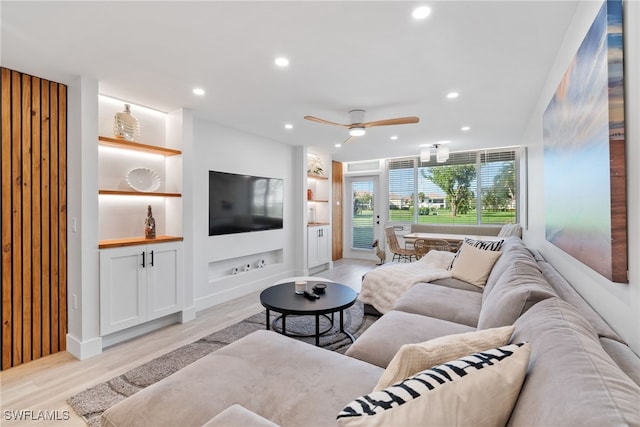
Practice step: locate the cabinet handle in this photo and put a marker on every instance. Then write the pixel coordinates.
(143, 263)
(151, 258)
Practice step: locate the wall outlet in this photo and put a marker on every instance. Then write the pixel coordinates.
(235, 271)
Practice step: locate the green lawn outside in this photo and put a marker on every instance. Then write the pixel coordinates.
(444, 217)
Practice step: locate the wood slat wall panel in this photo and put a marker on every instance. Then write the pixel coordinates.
(34, 220)
(62, 199)
(16, 220)
(46, 235)
(26, 217)
(5, 178)
(36, 232)
(53, 199)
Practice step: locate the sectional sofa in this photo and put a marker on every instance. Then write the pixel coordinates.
(577, 370)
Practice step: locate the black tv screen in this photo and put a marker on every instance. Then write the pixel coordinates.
(243, 203)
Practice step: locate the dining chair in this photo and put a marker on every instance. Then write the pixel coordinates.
(402, 254)
(422, 246)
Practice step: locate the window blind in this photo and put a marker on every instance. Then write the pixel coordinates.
(473, 187)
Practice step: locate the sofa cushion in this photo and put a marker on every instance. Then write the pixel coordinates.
(571, 380)
(238, 415)
(508, 230)
(569, 294)
(474, 390)
(513, 249)
(413, 358)
(282, 379)
(378, 344)
(517, 290)
(474, 264)
(485, 245)
(624, 357)
(441, 302)
(450, 282)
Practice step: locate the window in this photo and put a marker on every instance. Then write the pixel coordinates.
(477, 187)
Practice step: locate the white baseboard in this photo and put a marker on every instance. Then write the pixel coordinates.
(84, 349)
(187, 314)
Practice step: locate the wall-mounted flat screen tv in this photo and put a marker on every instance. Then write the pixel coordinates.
(244, 203)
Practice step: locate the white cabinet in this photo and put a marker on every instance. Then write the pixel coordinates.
(139, 283)
(318, 245)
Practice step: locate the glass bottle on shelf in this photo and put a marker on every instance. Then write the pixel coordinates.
(125, 125)
(149, 225)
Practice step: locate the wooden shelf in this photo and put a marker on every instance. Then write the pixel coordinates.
(317, 176)
(318, 201)
(137, 193)
(131, 145)
(133, 241)
(317, 224)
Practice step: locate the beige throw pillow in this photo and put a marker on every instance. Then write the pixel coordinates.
(478, 390)
(474, 265)
(413, 358)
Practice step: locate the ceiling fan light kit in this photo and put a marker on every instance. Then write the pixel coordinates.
(357, 131)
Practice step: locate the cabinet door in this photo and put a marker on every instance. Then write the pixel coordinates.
(324, 245)
(122, 288)
(312, 246)
(164, 279)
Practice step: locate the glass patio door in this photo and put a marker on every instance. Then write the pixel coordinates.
(363, 215)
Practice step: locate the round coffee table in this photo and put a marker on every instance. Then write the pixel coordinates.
(283, 299)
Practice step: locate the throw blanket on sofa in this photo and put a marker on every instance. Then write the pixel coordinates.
(382, 286)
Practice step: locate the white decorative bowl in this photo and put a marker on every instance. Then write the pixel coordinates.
(143, 179)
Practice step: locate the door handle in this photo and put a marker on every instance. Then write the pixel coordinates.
(378, 219)
(143, 263)
(151, 258)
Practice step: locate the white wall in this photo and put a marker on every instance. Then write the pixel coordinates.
(224, 149)
(83, 291)
(618, 303)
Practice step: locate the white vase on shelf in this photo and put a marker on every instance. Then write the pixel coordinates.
(125, 125)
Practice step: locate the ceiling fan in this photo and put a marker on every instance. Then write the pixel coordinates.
(358, 126)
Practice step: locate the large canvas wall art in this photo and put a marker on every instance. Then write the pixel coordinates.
(584, 152)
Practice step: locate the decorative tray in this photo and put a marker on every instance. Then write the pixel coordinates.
(143, 179)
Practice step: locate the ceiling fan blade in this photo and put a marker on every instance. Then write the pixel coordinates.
(323, 121)
(350, 139)
(388, 122)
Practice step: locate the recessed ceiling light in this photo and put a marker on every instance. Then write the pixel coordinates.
(453, 95)
(465, 128)
(394, 137)
(338, 145)
(421, 12)
(288, 126)
(281, 61)
(198, 91)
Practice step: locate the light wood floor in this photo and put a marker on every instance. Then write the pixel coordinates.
(45, 384)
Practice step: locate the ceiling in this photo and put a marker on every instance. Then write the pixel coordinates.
(343, 55)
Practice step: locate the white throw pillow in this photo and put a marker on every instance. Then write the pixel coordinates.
(474, 265)
(485, 245)
(413, 358)
(477, 390)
